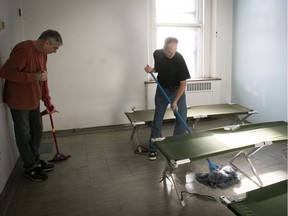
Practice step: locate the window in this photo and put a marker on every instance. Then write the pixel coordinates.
(182, 19)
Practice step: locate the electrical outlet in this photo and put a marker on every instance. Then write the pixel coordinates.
(1, 25)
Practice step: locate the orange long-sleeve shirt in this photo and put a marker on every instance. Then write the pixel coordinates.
(21, 89)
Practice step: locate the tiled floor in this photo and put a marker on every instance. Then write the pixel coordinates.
(105, 177)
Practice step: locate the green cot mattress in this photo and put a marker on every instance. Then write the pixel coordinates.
(192, 112)
(213, 142)
(267, 201)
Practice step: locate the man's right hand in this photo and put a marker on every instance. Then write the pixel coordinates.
(41, 75)
(148, 69)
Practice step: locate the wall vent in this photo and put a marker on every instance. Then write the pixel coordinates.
(198, 87)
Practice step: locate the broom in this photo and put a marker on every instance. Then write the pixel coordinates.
(58, 156)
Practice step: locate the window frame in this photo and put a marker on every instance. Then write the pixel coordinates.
(207, 25)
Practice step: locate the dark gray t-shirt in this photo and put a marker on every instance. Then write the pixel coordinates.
(170, 71)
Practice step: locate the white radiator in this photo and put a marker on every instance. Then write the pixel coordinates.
(198, 87)
(197, 93)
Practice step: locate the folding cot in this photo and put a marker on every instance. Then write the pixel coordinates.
(184, 149)
(141, 117)
(266, 201)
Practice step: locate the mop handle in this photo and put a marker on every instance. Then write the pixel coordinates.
(170, 102)
(47, 98)
(211, 165)
(53, 131)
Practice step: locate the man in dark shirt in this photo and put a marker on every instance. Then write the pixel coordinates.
(172, 75)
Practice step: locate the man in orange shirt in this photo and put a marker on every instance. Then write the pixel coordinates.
(24, 73)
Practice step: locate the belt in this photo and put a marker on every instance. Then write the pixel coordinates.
(171, 87)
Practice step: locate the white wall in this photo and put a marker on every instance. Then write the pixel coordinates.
(259, 78)
(12, 33)
(98, 73)
(224, 27)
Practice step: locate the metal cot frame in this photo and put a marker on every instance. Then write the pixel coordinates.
(199, 145)
(142, 117)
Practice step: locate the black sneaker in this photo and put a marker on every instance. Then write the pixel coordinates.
(35, 174)
(152, 155)
(45, 167)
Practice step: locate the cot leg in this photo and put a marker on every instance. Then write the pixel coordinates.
(195, 123)
(247, 157)
(176, 182)
(241, 119)
(133, 132)
(168, 171)
(165, 174)
(140, 149)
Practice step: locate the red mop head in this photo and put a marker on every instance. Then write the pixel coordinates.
(59, 157)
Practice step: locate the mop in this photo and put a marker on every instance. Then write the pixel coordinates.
(58, 156)
(212, 166)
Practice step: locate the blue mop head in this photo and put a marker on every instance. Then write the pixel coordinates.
(212, 166)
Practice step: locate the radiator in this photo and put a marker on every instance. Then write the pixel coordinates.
(197, 93)
(198, 87)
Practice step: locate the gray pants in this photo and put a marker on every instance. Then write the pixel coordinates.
(28, 129)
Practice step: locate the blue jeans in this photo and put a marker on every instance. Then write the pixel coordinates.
(161, 104)
(28, 132)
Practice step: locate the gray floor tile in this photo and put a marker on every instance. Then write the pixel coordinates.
(105, 177)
